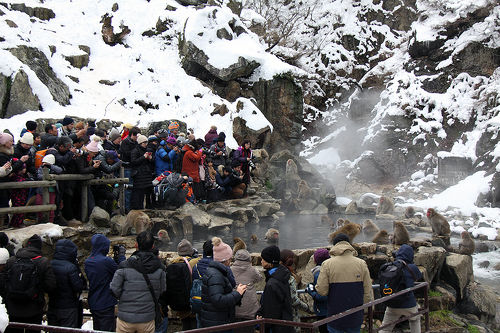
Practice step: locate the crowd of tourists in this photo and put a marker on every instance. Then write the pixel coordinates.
(215, 289)
(165, 169)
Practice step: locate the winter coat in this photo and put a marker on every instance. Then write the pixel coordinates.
(105, 167)
(84, 165)
(19, 152)
(320, 302)
(217, 296)
(108, 145)
(219, 159)
(191, 162)
(346, 280)
(126, 148)
(5, 156)
(69, 279)
(297, 303)
(65, 160)
(241, 156)
(210, 137)
(135, 303)
(245, 273)
(47, 140)
(201, 267)
(47, 284)
(408, 300)
(100, 269)
(142, 168)
(276, 302)
(164, 160)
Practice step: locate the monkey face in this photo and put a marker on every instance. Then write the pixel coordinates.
(430, 212)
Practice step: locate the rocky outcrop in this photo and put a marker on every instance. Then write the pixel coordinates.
(42, 13)
(38, 62)
(21, 98)
(258, 138)
(431, 258)
(457, 271)
(100, 218)
(479, 300)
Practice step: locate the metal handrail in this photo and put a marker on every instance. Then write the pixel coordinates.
(262, 322)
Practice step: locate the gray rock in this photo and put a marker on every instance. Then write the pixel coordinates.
(258, 138)
(457, 271)
(38, 62)
(22, 97)
(11, 24)
(320, 210)
(192, 2)
(352, 208)
(116, 224)
(4, 91)
(100, 217)
(479, 300)
(484, 264)
(78, 61)
(431, 258)
(42, 13)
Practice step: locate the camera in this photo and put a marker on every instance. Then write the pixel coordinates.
(251, 164)
(78, 152)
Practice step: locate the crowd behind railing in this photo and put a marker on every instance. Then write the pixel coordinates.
(138, 294)
(165, 169)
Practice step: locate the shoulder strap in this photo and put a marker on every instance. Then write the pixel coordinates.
(150, 286)
(189, 266)
(409, 270)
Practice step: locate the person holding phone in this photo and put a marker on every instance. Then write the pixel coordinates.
(142, 165)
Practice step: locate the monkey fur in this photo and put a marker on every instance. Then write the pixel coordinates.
(401, 235)
(303, 190)
(254, 238)
(138, 220)
(467, 245)
(350, 229)
(239, 244)
(409, 212)
(385, 206)
(439, 224)
(272, 235)
(162, 235)
(381, 238)
(369, 227)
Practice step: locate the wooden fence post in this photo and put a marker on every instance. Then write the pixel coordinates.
(85, 200)
(45, 196)
(121, 197)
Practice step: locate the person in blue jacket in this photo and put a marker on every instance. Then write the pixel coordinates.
(320, 302)
(405, 304)
(64, 304)
(165, 156)
(100, 270)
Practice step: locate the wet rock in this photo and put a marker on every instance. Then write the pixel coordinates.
(365, 248)
(22, 98)
(116, 224)
(479, 300)
(37, 61)
(432, 258)
(457, 271)
(418, 242)
(320, 210)
(497, 267)
(484, 264)
(352, 208)
(100, 218)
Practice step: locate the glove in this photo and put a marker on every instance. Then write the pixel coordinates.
(310, 288)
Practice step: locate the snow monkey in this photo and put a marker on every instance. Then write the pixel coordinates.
(340, 222)
(272, 235)
(467, 245)
(381, 238)
(440, 226)
(409, 212)
(163, 236)
(401, 235)
(350, 229)
(303, 190)
(239, 244)
(385, 206)
(327, 220)
(254, 238)
(369, 227)
(138, 220)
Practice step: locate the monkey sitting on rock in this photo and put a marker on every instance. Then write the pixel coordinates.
(239, 244)
(401, 235)
(369, 227)
(439, 224)
(466, 246)
(385, 206)
(138, 220)
(381, 238)
(409, 212)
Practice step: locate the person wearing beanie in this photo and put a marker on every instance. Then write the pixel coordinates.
(18, 196)
(22, 151)
(30, 127)
(142, 165)
(246, 274)
(166, 156)
(173, 129)
(219, 152)
(27, 139)
(48, 162)
(345, 280)
(191, 166)
(276, 301)
(4, 243)
(288, 259)
(30, 309)
(320, 302)
(113, 141)
(184, 248)
(67, 129)
(211, 136)
(128, 144)
(219, 292)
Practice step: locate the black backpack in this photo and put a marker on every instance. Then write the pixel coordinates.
(196, 293)
(177, 167)
(23, 280)
(178, 286)
(391, 279)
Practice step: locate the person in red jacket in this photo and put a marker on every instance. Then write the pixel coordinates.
(191, 166)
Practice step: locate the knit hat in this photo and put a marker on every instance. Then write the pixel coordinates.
(171, 140)
(128, 125)
(184, 248)
(162, 133)
(340, 238)
(4, 239)
(221, 137)
(4, 256)
(152, 138)
(271, 254)
(222, 251)
(27, 138)
(35, 241)
(173, 125)
(208, 248)
(5, 137)
(17, 165)
(67, 120)
(49, 159)
(141, 138)
(235, 163)
(92, 147)
(242, 255)
(113, 135)
(321, 255)
(112, 155)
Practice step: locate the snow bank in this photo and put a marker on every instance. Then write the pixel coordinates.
(327, 157)
(45, 230)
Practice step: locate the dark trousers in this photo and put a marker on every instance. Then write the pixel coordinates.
(63, 317)
(29, 320)
(137, 198)
(104, 320)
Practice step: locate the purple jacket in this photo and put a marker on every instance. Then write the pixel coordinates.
(210, 137)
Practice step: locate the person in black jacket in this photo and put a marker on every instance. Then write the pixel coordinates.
(142, 172)
(64, 304)
(125, 153)
(30, 310)
(49, 138)
(218, 296)
(276, 301)
(404, 305)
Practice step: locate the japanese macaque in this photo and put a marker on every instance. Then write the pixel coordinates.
(239, 244)
(138, 220)
(340, 222)
(385, 206)
(409, 212)
(369, 227)
(272, 235)
(291, 169)
(350, 229)
(440, 226)
(108, 35)
(467, 245)
(254, 238)
(327, 220)
(162, 235)
(401, 235)
(303, 190)
(381, 238)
